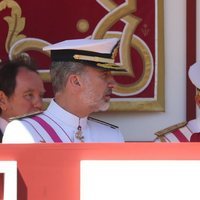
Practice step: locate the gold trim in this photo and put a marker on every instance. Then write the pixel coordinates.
(127, 89)
(161, 138)
(136, 106)
(25, 115)
(16, 22)
(82, 25)
(111, 66)
(28, 44)
(45, 75)
(160, 57)
(125, 13)
(171, 128)
(93, 58)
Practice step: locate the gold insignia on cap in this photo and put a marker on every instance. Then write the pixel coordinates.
(111, 66)
(93, 58)
(107, 65)
(115, 52)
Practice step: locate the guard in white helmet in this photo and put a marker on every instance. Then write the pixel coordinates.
(185, 131)
(82, 83)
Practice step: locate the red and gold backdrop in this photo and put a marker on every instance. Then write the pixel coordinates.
(28, 26)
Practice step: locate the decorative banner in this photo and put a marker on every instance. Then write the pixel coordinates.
(26, 27)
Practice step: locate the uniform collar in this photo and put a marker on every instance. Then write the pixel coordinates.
(3, 124)
(66, 117)
(194, 125)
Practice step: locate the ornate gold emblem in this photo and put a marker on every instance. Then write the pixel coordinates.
(16, 22)
(18, 43)
(128, 41)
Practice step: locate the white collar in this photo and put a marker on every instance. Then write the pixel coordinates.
(3, 124)
(67, 118)
(194, 125)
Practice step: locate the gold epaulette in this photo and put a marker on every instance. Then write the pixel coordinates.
(170, 128)
(102, 122)
(26, 115)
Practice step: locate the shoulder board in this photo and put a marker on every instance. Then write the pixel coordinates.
(102, 122)
(170, 128)
(26, 115)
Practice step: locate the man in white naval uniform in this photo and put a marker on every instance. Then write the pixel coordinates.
(186, 131)
(82, 83)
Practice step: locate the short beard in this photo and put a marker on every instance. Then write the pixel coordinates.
(104, 106)
(95, 105)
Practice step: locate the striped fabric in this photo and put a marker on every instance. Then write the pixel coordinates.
(45, 127)
(179, 135)
(48, 128)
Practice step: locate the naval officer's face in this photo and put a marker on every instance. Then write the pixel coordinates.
(28, 94)
(98, 85)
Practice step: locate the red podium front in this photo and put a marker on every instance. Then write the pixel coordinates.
(52, 171)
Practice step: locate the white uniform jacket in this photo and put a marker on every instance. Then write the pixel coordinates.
(57, 125)
(3, 124)
(179, 133)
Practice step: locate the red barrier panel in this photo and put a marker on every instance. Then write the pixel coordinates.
(52, 171)
(1, 185)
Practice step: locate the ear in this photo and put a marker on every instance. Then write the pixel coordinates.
(3, 100)
(74, 81)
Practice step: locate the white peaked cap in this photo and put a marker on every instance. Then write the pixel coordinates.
(96, 45)
(99, 53)
(194, 74)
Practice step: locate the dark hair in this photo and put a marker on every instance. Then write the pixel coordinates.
(8, 72)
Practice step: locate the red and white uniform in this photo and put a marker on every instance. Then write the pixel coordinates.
(181, 134)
